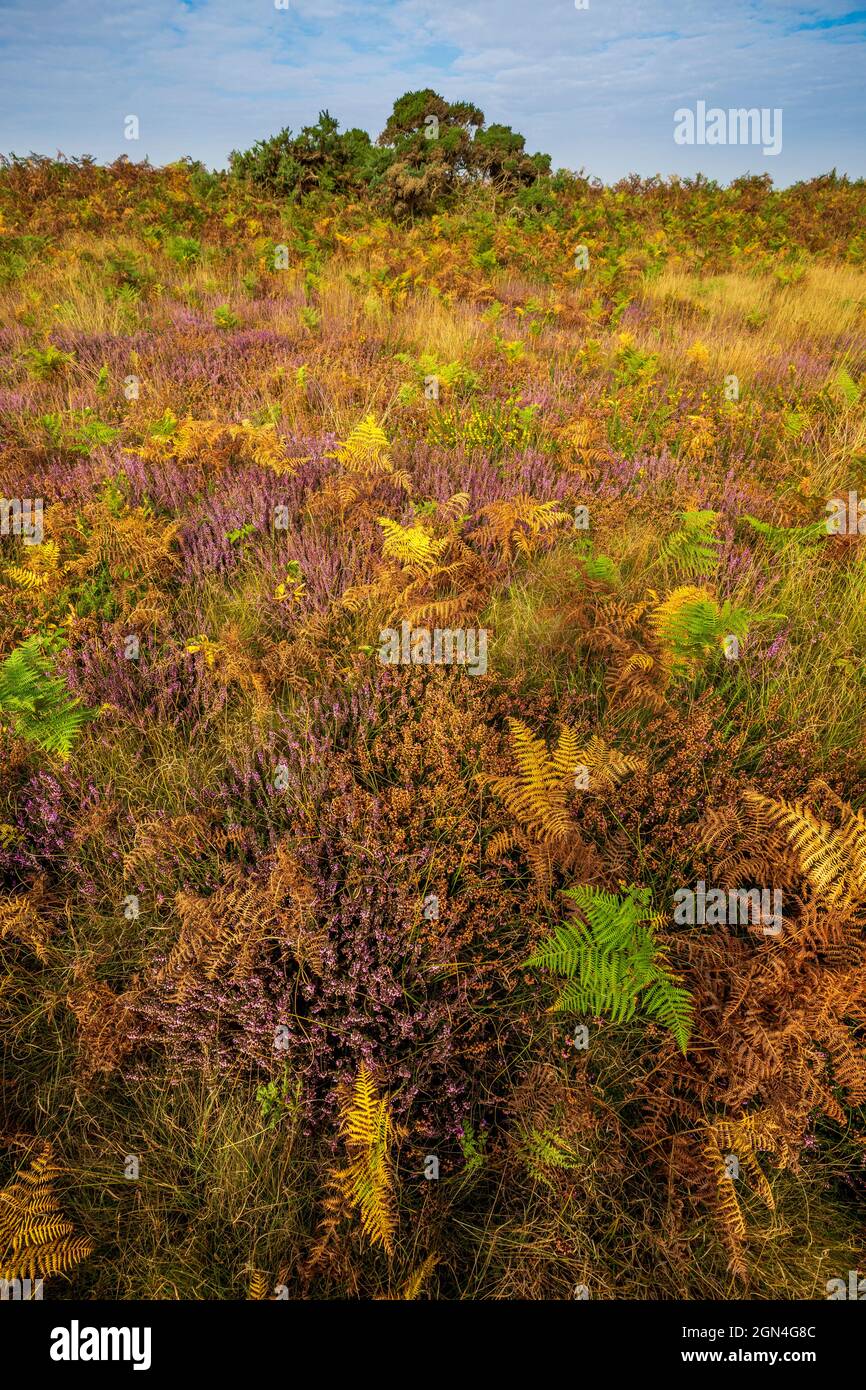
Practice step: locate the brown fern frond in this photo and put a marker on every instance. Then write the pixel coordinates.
(742, 1139)
(585, 447)
(20, 918)
(518, 524)
(103, 1023)
(849, 1060)
(454, 508)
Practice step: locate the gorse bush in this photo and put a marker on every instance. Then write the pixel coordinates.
(320, 159)
(428, 148)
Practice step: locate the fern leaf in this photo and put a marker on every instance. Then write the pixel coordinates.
(608, 958)
(366, 449)
(35, 1240)
(694, 546)
(37, 702)
(257, 1288)
(410, 545)
(834, 862)
(367, 1182)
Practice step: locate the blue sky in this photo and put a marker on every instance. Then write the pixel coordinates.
(595, 88)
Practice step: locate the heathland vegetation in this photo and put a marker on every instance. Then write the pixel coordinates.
(328, 960)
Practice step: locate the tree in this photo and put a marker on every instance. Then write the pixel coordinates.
(499, 154)
(437, 146)
(430, 143)
(429, 149)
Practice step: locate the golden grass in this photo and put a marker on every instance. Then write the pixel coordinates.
(747, 321)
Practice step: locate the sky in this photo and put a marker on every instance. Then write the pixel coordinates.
(597, 88)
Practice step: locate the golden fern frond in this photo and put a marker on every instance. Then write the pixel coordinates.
(411, 546)
(415, 1283)
(366, 449)
(20, 918)
(24, 578)
(18, 1203)
(536, 797)
(357, 596)
(257, 1287)
(584, 447)
(42, 1171)
(607, 766)
(831, 861)
(345, 492)
(545, 814)
(530, 754)
(56, 1257)
(444, 613)
(566, 755)
(500, 843)
(852, 842)
(219, 443)
(133, 546)
(35, 1241)
(367, 1182)
(266, 449)
(33, 1229)
(750, 1134)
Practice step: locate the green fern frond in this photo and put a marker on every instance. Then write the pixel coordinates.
(36, 702)
(780, 537)
(690, 623)
(544, 1149)
(694, 546)
(607, 955)
(601, 569)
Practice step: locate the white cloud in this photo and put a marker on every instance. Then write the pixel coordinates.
(596, 88)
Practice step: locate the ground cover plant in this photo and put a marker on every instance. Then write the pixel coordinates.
(432, 856)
